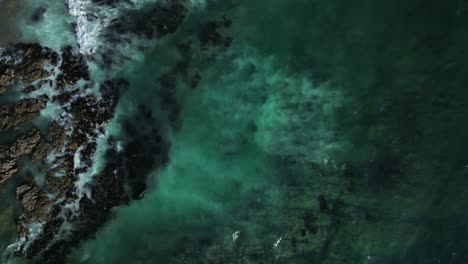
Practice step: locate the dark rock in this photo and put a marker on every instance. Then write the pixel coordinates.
(34, 203)
(167, 84)
(38, 14)
(24, 63)
(309, 222)
(144, 150)
(155, 21)
(381, 171)
(6, 80)
(195, 80)
(9, 156)
(370, 218)
(73, 68)
(24, 111)
(323, 205)
(210, 33)
(110, 2)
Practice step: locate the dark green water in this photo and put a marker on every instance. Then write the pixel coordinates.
(328, 132)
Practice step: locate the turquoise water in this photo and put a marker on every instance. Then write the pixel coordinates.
(54, 29)
(328, 132)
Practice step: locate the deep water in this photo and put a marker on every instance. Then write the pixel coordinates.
(327, 132)
(8, 13)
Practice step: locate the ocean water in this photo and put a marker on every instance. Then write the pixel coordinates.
(8, 30)
(327, 132)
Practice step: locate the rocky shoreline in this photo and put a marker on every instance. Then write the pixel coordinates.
(48, 208)
(70, 198)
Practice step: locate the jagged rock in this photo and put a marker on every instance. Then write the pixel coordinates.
(6, 80)
(67, 149)
(38, 14)
(33, 201)
(24, 111)
(24, 145)
(73, 69)
(7, 170)
(89, 114)
(24, 63)
(9, 156)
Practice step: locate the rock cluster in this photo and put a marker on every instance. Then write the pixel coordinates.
(69, 200)
(24, 63)
(9, 156)
(73, 133)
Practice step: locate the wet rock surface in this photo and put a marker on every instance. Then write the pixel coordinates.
(9, 156)
(23, 66)
(24, 63)
(56, 214)
(66, 199)
(22, 112)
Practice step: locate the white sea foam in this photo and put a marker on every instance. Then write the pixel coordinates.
(49, 88)
(52, 110)
(9, 59)
(77, 158)
(53, 30)
(35, 229)
(277, 242)
(85, 178)
(88, 26)
(92, 20)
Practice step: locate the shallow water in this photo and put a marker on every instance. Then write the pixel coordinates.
(328, 132)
